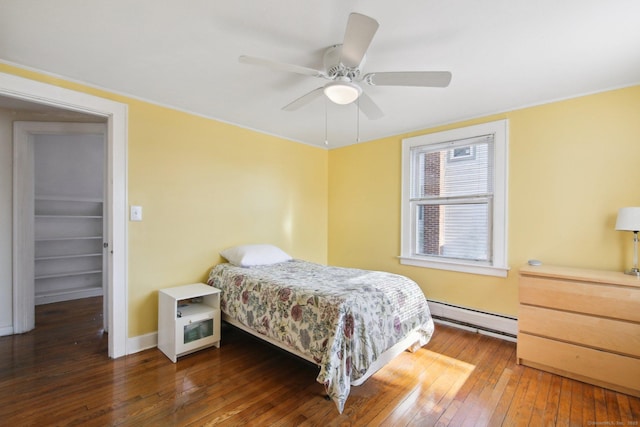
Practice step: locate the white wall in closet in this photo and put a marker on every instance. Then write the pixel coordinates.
(69, 224)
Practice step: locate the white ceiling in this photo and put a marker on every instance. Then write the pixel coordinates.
(503, 54)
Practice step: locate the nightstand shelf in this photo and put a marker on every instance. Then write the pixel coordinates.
(188, 319)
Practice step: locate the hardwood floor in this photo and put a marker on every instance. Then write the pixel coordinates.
(59, 374)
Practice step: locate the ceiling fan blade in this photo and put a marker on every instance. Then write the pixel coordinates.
(357, 38)
(280, 66)
(369, 108)
(409, 78)
(304, 99)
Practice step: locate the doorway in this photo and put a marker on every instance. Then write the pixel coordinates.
(115, 114)
(63, 165)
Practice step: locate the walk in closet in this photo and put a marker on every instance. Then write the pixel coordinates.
(68, 216)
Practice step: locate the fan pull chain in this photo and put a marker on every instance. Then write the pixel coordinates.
(358, 120)
(326, 138)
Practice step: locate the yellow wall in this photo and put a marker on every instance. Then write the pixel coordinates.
(572, 164)
(206, 185)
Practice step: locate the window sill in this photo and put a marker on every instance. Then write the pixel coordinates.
(485, 270)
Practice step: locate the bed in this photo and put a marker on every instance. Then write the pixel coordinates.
(349, 322)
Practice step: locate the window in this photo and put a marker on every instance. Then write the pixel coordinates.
(454, 199)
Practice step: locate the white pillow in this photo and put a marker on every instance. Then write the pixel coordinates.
(250, 255)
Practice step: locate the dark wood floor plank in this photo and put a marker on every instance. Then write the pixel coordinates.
(539, 402)
(524, 407)
(491, 398)
(506, 400)
(515, 413)
(601, 406)
(550, 415)
(577, 403)
(494, 384)
(613, 411)
(625, 408)
(60, 374)
(588, 405)
(564, 405)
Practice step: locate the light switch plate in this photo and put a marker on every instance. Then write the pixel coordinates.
(136, 213)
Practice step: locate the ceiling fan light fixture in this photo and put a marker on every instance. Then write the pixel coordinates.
(342, 92)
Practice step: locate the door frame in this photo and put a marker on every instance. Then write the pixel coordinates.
(116, 114)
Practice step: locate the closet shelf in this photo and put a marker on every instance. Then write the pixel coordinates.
(68, 274)
(68, 199)
(47, 258)
(44, 239)
(67, 291)
(54, 216)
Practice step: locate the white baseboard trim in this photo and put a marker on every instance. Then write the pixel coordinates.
(482, 322)
(142, 342)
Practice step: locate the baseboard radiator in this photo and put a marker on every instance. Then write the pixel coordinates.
(482, 322)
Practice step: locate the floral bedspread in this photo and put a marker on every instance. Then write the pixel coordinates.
(343, 318)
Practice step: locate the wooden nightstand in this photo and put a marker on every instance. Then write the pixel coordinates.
(188, 319)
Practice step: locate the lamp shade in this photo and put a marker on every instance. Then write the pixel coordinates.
(342, 92)
(628, 219)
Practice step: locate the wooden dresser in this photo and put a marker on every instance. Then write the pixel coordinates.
(582, 324)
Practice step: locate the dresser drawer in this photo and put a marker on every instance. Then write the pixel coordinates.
(618, 302)
(607, 334)
(584, 364)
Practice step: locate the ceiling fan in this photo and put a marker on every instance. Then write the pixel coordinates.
(342, 67)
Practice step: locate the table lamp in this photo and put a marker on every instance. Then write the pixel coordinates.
(629, 220)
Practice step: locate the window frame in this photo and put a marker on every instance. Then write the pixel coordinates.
(498, 225)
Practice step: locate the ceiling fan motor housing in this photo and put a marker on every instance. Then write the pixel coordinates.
(334, 67)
